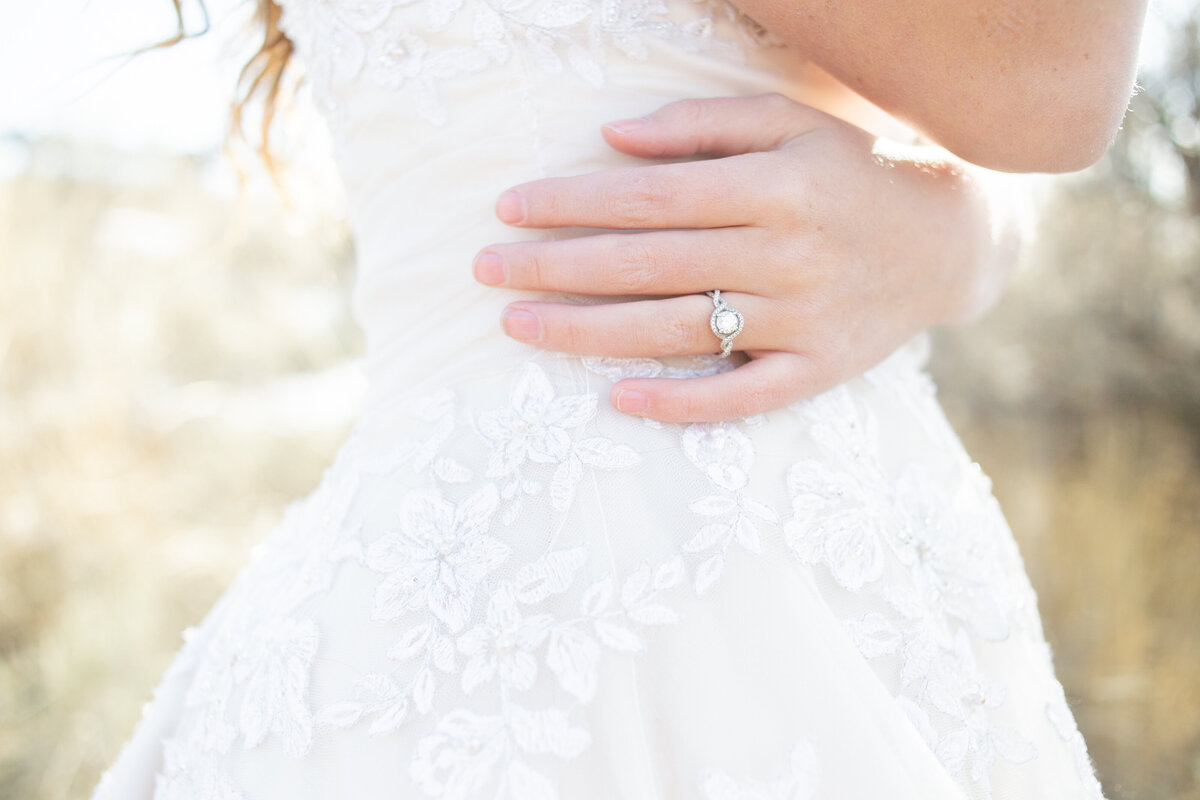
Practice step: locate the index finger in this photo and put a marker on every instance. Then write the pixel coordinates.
(712, 193)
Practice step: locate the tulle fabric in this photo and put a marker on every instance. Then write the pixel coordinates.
(503, 588)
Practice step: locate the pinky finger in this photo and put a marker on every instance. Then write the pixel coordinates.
(768, 382)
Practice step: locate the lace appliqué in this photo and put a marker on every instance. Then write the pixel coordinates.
(468, 621)
(725, 455)
(392, 45)
(436, 568)
(535, 428)
(1060, 716)
(795, 780)
(856, 521)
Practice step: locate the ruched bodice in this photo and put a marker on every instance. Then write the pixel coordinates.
(436, 107)
(504, 589)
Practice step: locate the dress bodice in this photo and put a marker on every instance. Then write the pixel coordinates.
(437, 106)
(504, 588)
(417, 47)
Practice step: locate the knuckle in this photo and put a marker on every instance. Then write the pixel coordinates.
(570, 333)
(792, 268)
(545, 201)
(677, 406)
(645, 198)
(795, 283)
(689, 109)
(757, 395)
(777, 101)
(634, 268)
(797, 386)
(673, 335)
(795, 114)
(822, 371)
(798, 188)
(533, 268)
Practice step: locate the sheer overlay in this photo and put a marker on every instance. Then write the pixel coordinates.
(502, 588)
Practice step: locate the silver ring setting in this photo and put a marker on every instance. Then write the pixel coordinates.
(726, 321)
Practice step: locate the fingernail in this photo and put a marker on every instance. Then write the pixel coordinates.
(628, 125)
(521, 324)
(631, 401)
(510, 208)
(490, 269)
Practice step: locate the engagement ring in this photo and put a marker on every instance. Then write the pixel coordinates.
(726, 321)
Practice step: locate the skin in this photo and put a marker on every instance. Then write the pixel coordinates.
(836, 245)
(834, 252)
(1014, 85)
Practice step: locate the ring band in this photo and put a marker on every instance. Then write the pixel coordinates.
(726, 321)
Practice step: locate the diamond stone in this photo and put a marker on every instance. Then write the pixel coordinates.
(726, 322)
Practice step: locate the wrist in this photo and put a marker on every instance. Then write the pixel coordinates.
(951, 233)
(1002, 224)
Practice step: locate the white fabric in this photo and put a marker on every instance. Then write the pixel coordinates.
(503, 588)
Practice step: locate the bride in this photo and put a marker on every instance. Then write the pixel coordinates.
(689, 521)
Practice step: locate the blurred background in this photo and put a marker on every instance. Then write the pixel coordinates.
(177, 363)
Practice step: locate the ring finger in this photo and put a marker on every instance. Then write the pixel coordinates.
(643, 328)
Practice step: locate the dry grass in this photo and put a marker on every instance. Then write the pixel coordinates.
(1107, 512)
(151, 429)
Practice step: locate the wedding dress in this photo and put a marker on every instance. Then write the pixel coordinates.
(503, 588)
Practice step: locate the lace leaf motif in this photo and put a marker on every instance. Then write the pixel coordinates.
(385, 44)
(437, 563)
(795, 780)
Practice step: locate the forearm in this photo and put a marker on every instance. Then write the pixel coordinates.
(1006, 201)
(836, 246)
(978, 221)
(1013, 85)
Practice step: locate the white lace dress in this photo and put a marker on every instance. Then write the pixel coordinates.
(503, 588)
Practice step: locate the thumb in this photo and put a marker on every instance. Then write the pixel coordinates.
(719, 126)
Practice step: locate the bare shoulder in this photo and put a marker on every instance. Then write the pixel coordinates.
(1018, 85)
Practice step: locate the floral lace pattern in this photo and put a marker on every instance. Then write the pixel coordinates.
(451, 588)
(471, 621)
(855, 522)
(797, 780)
(403, 45)
(1059, 714)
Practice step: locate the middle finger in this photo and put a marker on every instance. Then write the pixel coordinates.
(656, 262)
(709, 193)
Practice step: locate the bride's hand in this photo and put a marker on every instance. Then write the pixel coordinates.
(835, 251)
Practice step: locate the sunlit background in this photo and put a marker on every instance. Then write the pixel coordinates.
(177, 363)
